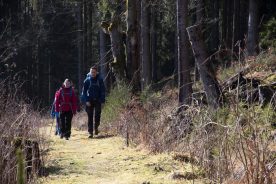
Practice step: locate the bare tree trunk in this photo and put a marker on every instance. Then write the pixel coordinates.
(253, 23)
(207, 75)
(153, 43)
(132, 44)
(229, 23)
(104, 65)
(214, 42)
(89, 35)
(118, 50)
(145, 45)
(80, 44)
(199, 11)
(184, 65)
(84, 35)
(223, 23)
(117, 39)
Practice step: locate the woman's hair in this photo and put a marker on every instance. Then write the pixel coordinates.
(68, 81)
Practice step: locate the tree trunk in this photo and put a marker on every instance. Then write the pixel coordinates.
(199, 11)
(80, 44)
(184, 65)
(229, 23)
(214, 42)
(132, 44)
(89, 36)
(145, 45)
(118, 50)
(253, 23)
(210, 83)
(84, 35)
(104, 65)
(244, 21)
(153, 43)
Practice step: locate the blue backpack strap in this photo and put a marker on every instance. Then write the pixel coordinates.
(98, 82)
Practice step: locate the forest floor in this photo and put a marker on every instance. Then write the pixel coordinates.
(105, 159)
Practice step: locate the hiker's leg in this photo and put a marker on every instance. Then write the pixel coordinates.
(69, 116)
(57, 125)
(90, 114)
(98, 110)
(62, 123)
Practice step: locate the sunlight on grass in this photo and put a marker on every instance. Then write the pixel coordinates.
(106, 160)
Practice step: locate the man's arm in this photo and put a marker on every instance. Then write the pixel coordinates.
(85, 88)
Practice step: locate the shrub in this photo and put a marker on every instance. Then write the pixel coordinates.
(116, 100)
(268, 34)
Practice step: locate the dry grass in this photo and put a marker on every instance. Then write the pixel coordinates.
(19, 129)
(106, 160)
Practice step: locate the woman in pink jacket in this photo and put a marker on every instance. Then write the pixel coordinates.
(66, 105)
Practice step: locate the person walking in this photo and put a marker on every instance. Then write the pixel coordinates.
(55, 115)
(93, 95)
(66, 106)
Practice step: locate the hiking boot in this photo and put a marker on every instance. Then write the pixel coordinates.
(96, 131)
(90, 136)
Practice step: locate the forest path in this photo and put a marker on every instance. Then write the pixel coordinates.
(106, 160)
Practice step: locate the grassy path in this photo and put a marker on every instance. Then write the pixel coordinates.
(105, 160)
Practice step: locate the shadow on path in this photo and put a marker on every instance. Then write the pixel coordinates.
(51, 170)
(103, 136)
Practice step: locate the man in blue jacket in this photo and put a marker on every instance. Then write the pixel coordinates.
(94, 95)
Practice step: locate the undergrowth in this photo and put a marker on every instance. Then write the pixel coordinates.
(234, 144)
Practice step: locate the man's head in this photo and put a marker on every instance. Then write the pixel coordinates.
(93, 71)
(67, 83)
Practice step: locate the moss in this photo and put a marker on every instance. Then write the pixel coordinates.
(107, 160)
(20, 167)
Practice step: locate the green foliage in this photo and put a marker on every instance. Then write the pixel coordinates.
(20, 167)
(108, 8)
(118, 97)
(147, 95)
(268, 34)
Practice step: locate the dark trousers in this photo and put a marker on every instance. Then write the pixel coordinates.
(95, 108)
(65, 122)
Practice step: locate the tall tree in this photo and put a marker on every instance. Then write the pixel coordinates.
(253, 24)
(85, 43)
(132, 43)
(184, 65)
(214, 40)
(145, 45)
(104, 64)
(80, 43)
(153, 41)
(199, 11)
(207, 74)
(89, 34)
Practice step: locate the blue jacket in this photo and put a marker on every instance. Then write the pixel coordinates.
(93, 89)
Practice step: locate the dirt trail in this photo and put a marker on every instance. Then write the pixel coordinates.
(106, 160)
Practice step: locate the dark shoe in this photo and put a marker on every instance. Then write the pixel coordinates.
(61, 136)
(96, 132)
(90, 136)
(67, 138)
